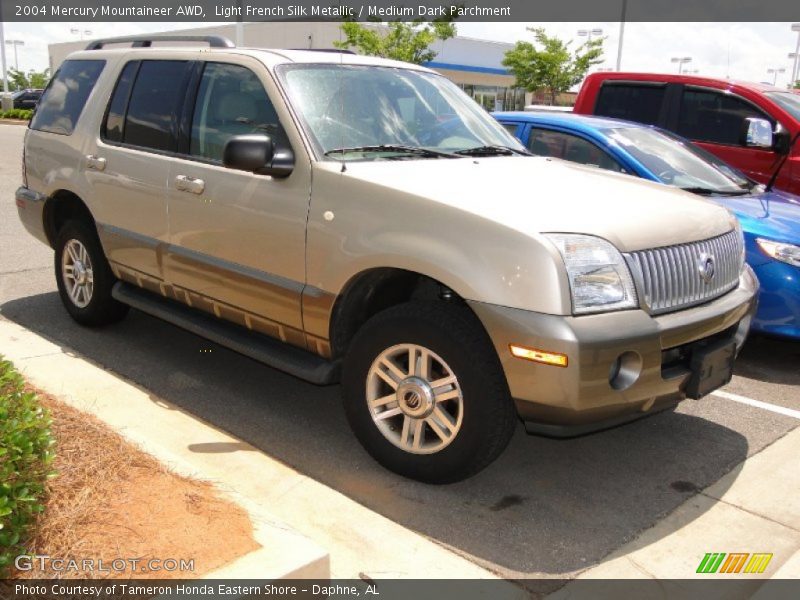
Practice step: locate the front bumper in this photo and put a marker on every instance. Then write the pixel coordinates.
(585, 395)
(30, 206)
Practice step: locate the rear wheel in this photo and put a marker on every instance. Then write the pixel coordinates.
(84, 277)
(425, 393)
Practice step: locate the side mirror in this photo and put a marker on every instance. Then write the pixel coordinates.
(781, 139)
(257, 153)
(757, 133)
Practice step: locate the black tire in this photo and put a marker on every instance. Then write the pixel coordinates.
(101, 308)
(454, 334)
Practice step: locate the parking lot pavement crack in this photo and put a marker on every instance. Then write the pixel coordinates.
(751, 512)
(30, 270)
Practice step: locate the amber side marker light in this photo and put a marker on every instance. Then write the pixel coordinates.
(541, 356)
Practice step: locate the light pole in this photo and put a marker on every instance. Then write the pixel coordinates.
(774, 73)
(681, 60)
(796, 53)
(16, 44)
(621, 34)
(3, 57)
(80, 32)
(589, 33)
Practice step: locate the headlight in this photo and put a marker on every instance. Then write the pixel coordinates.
(788, 253)
(598, 276)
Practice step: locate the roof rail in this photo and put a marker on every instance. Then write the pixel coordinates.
(140, 41)
(334, 50)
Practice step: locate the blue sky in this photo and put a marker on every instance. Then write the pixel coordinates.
(739, 50)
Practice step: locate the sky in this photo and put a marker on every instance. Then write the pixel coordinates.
(736, 50)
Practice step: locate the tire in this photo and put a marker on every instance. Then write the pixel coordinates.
(477, 405)
(84, 277)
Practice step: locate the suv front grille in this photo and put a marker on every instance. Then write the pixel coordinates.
(671, 278)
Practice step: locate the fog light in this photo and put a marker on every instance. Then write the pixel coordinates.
(541, 356)
(624, 371)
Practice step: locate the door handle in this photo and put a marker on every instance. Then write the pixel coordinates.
(95, 163)
(190, 184)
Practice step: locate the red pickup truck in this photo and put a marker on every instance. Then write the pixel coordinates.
(751, 126)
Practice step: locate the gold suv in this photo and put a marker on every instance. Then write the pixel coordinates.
(346, 218)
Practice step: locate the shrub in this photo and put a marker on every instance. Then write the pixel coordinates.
(23, 114)
(26, 457)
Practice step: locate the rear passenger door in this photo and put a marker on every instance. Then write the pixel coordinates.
(129, 167)
(237, 239)
(642, 102)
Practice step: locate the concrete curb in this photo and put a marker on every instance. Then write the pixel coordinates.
(291, 507)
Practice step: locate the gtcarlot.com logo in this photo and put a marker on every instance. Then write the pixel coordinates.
(734, 562)
(86, 565)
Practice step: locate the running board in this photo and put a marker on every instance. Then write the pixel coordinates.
(274, 353)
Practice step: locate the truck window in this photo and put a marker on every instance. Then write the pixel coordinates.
(156, 94)
(115, 117)
(63, 100)
(231, 101)
(634, 102)
(710, 116)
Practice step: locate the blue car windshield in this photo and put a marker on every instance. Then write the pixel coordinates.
(676, 162)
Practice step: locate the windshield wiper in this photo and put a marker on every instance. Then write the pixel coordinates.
(412, 150)
(704, 191)
(493, 151)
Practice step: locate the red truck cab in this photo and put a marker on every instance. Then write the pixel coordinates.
(722, 116)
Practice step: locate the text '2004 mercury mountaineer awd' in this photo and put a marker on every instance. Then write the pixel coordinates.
(353, 219)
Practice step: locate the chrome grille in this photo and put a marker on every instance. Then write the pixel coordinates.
(670, 278)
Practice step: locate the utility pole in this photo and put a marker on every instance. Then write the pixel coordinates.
(3, 57)
(621, 34)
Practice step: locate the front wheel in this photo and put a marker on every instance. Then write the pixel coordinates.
(425, 394)
(84, 277)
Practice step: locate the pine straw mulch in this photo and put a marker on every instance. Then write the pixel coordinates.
(111, 500)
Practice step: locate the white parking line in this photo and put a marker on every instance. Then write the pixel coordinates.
(781, 410)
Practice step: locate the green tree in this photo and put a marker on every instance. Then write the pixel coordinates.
(409, 42)
(797, 84)
(550, 64)
(32, 79)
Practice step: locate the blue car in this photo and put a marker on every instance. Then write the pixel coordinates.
(770, 219)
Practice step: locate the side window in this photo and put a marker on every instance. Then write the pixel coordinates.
(230, 101)
(63, 100)
(115, 117)
(510, 128)
(570, 147)
(640, 103)
(710, 116)
(154, 100)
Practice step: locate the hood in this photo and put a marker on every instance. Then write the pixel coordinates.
(539, 195)
(774, 215)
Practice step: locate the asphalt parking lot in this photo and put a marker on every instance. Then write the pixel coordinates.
(545, 508)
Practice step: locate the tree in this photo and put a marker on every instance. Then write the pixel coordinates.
(553, 67)
(409, 42)
(32, 79)
(797, 84)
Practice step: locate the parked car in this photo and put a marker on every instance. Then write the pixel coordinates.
(716, 114)
(331, 213)
(770, 219)
(26, 99)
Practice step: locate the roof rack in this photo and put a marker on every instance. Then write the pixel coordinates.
(333, 50)
(138, 41)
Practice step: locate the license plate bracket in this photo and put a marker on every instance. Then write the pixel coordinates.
(711, 366)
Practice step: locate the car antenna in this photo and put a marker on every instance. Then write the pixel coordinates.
(783, 160)
(341, 100)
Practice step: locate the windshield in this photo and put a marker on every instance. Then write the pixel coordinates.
(369, 113)
(677, 163)
(787, 101)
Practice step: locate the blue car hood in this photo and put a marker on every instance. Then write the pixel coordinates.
(774, 215)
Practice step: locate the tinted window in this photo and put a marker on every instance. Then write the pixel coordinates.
(510, 128)
(157, 92)
(544, 142)
(230, 101)
(709, 116)
(113, 127)
(65, 97)
(641, 103)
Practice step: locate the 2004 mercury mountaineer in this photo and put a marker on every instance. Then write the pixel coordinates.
(328, 214)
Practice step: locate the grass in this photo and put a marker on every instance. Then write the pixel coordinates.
(26, 457)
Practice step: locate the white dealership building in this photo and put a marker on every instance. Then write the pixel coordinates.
(475, 65)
